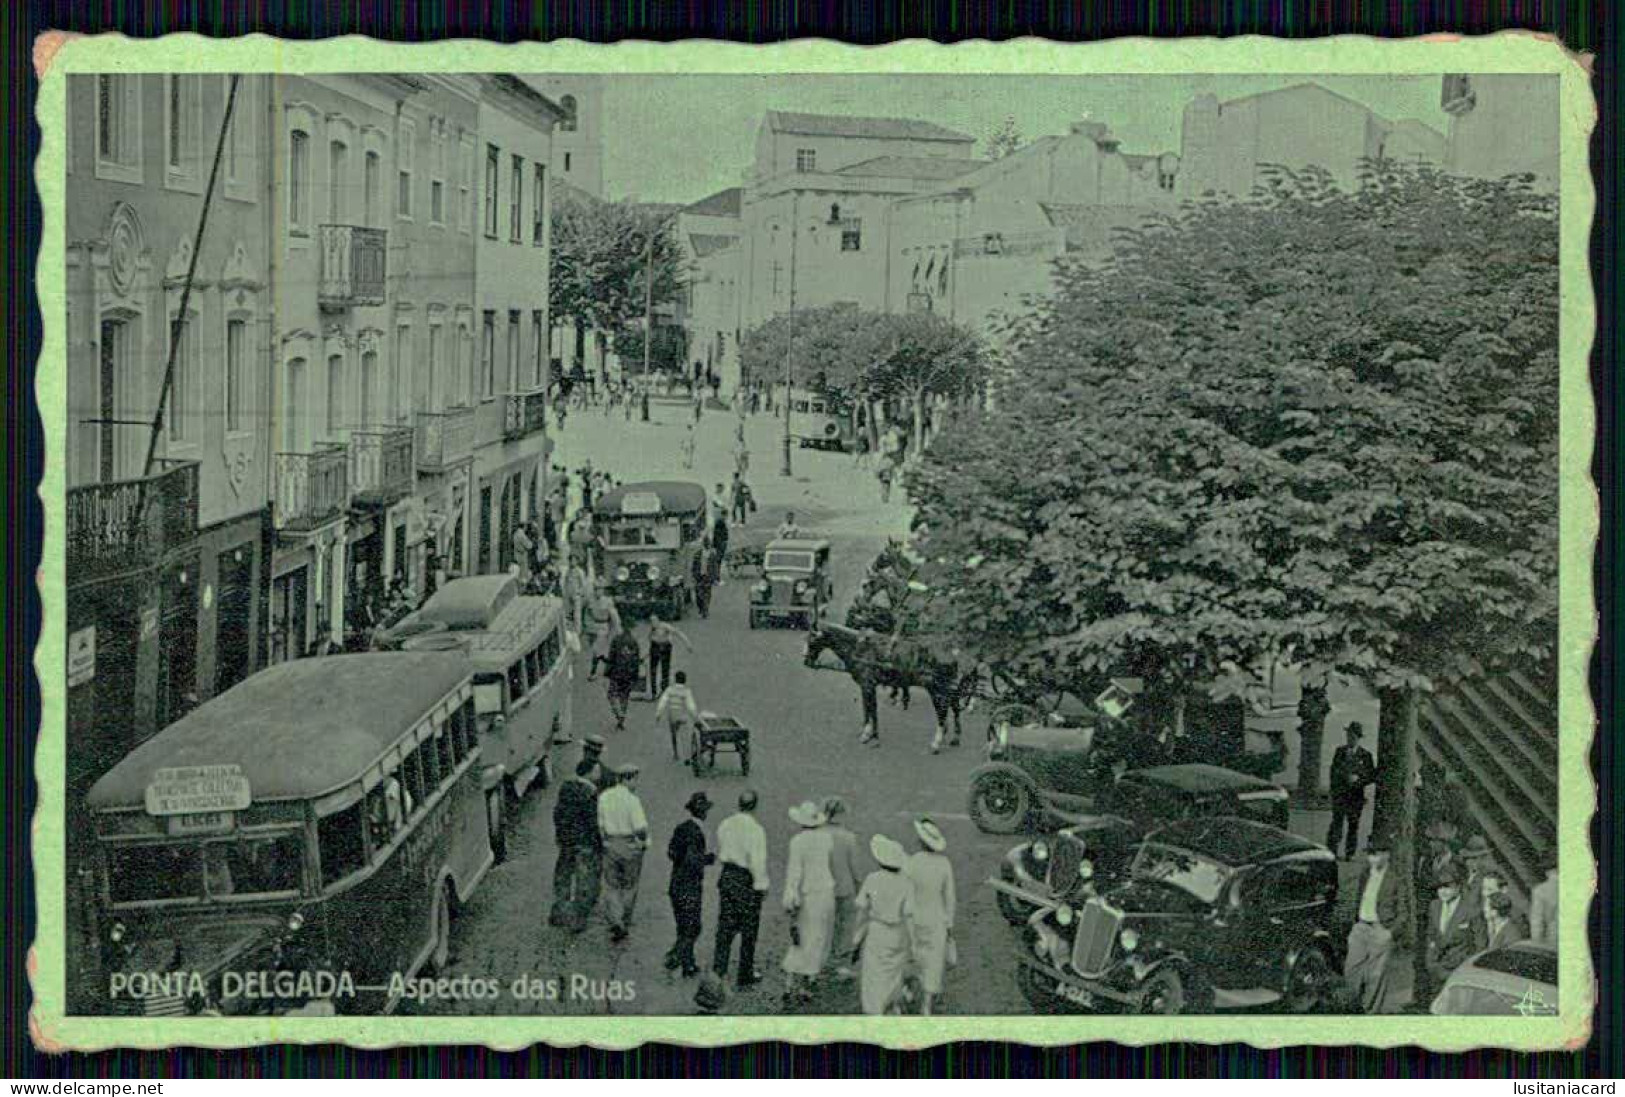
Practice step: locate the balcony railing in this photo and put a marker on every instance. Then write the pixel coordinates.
(523, 414)
(354, 262)
(311, 488)
(444, 438)
(108, 534)
(381, 468)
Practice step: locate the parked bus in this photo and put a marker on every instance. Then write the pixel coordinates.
(517, 648)
(300, 843)
(818, 422)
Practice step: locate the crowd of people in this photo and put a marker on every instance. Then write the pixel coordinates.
(888, 924)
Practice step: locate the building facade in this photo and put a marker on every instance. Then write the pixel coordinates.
(1503, 124)
(578, 139)
(167, 554)
(708, 232)
(512, 250)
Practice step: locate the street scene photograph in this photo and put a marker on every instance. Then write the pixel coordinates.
(913, 545)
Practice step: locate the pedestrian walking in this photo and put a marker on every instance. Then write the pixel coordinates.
(809, 899)
(707, 574)
(677, 710)
(932, 910)
(592, 753)
(575, 832)
(719, 528)
(688, 445)
(689, 859)
(741, 887)
(1353, 769)
(1378, 922)
(602, 622)
(884, 903)
(661, 635)
(843, 866)
(625, 830)
(741, 499)
(622, 674)
(884, 475)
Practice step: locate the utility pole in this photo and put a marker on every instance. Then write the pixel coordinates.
(648, 316)
(790, 341)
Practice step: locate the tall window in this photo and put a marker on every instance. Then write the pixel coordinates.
(513, 350)
(568, 103)
(406, 152)
(516, 198)
(338, 168)
(115, 362)
(852, 234)
(299, 181)
(293, 410)
(538, 204)
(235, 131)
(566, 161)
(177, 154)
(464, 169)
(538, 347)
(435, 396)
(335, 394)
(806, 159)
(372, 176)
(110, 117)
(181, 414)
(492, 158)
(403, 366)
(488, 354)
(369, 382)
(236, 348)
(465, 360)
(437, 175)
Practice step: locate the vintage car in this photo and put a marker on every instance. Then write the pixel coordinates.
(1095, 851)
(651, 533)
(1518, 980)
(1215, 914)
(795, 583)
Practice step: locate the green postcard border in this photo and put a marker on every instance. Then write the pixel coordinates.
(1506, 52)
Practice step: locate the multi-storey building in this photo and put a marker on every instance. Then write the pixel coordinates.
(708, 232)
(512, 249)
(166, 544)
(578, 141)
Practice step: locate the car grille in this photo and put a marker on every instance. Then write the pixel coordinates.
(1066, 853)
(1097, 933)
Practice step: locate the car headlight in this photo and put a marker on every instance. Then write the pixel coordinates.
(801, 587)
(654, 572)
(762, 587)
(116, 933)
(1086, 869)
(622, 575)
(296, 921)
(1039, 850)
(1129, 938)
(1064, 915)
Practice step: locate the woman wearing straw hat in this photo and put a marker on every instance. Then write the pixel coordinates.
(931, 915)
(809, 897)
(884, 902)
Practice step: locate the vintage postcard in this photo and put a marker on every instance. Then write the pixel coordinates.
(706, 543)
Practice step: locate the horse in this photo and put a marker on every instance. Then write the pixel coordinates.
(873, 660)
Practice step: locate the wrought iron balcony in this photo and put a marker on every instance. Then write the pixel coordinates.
(381, 468)
(444, 438)
(311, 488)
(125, 525)
(523, 414)
(354, 262)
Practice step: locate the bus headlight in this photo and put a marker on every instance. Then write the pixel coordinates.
(801, 588)
(116, 933)
(1064, 915)
(654, 573)
(296, 921)
(622, 575)
(1129, 939)
(1039, 850)
(1086, 869)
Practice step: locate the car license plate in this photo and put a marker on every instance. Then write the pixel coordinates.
(1076, 995)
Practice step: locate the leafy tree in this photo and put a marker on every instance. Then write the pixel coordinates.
(1003, 139)
(602, 255)
(1317, 425)
(668, 353)
(920, 356)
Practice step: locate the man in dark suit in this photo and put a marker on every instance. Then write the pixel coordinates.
(689, 859)
(1378, 924)
(575, 832)
(1452, 932)
(1353, 769)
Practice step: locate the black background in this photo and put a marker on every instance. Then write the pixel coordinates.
(1581, 26)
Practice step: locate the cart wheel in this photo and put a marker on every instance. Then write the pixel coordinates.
(694, 754)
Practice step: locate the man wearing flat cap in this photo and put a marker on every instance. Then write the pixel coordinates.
(575, 833)
(626, 837)
(1452, 934)
(689, 859)
(1353, 769)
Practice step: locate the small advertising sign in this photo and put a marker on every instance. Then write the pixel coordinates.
(194, 790)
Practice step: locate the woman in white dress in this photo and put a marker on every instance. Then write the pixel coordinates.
(809, 898)
(883, 904)
(931, 916)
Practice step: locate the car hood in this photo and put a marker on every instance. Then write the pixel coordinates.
(1046, 737)
(1147, 899)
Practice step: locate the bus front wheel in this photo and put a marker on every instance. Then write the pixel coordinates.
(440, 957)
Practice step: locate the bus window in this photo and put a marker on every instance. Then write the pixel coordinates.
(444, 749)
(625, 536)
(548, 653)
(252, 866)
(411, 775)
(487, 694)
(429, 762)
(341, 841)
(139, 874)
(455, 731)
(516, 680)
(533, 667)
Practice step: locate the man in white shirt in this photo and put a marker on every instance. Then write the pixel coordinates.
(626, 836)
(788, 530)
(1371, 939)
(677, 709)
(741, 887)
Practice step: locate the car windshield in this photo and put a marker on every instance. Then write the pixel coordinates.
(788, 561)
(266, 865)
(1196, 876)
(1536, 965)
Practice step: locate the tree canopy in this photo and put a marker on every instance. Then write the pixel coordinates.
(1319, 424)
(601, 255)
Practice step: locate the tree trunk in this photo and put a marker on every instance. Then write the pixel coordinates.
(919, 425)
(579, 359)
(1394, 814)
(1311, 737)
